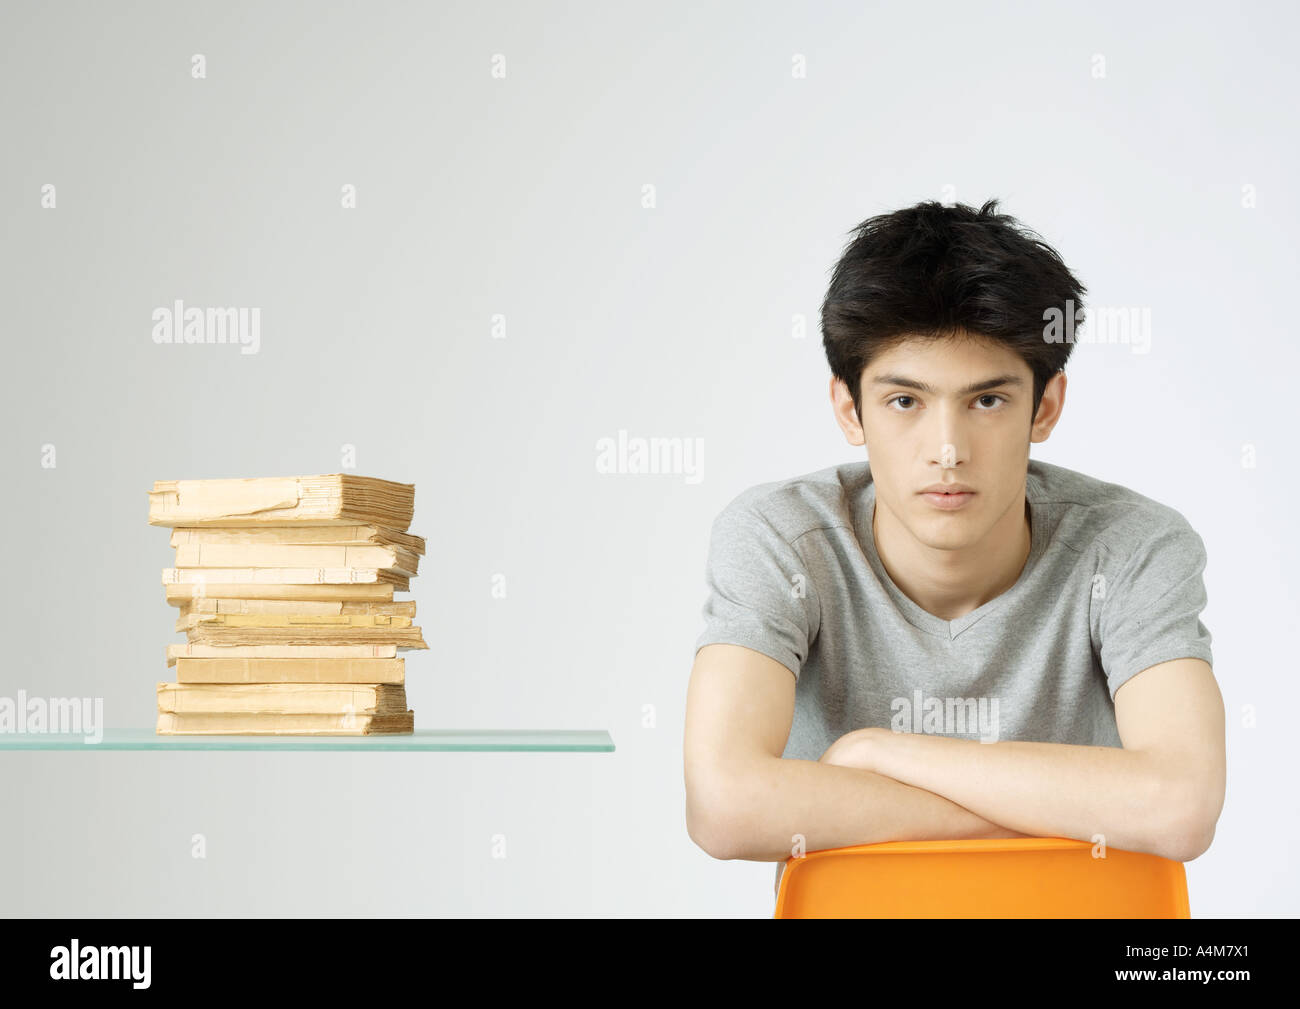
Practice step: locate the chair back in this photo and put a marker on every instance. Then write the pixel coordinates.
(1021, 877)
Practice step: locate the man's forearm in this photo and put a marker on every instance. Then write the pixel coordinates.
(1044, 789)
(775, 801)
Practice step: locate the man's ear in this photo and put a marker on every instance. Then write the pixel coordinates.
(845, 417)
(1049, 408)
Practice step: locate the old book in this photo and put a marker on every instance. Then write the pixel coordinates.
(178, 593)
(400, 608)
(206, 608)
(296, 555)
(325, 499)
(294, 670)
(283, 698)
(285, 576)
(296, 620)
(190, 621)
(402, 637)
(260, 724)
(201, 651)
(299, 534)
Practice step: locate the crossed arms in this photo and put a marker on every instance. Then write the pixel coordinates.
(1161, 793)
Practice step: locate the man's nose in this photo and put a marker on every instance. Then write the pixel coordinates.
(947, 440)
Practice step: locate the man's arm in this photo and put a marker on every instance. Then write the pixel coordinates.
(744, 801)
(1161, 793)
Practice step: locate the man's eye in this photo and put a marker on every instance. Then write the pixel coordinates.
(903, 403)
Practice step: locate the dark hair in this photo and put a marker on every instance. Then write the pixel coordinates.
(933, 271)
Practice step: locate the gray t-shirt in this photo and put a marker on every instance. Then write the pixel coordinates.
(1112, 585)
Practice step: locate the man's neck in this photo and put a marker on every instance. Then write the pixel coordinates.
(951, 583)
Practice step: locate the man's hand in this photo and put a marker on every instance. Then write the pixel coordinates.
(865, 749)
(851, 749)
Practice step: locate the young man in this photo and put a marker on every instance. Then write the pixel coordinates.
(951, 640)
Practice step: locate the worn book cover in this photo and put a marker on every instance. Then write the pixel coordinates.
(299, 534)
(237, 669)
(258, 724)
(283, 698)
(326, 499)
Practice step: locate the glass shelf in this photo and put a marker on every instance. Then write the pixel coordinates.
(484, 740)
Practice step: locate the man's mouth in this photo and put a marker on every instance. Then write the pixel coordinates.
(948, 500)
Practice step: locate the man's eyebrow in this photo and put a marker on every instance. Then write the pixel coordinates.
(974, 387)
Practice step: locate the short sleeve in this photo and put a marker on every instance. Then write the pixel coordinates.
(759, 593)
(1151, 608)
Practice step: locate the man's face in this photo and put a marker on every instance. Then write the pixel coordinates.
(953, 411)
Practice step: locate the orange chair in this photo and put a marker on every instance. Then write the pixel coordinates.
(1021, 877)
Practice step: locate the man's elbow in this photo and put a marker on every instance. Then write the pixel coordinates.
(709, 834)
(1185, 845)
(1198, 836)
(709, 825)
(1192, 831)
(712, 819)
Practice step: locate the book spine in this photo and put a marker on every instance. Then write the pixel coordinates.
(239, 724)
(292, 670)
(283, 698)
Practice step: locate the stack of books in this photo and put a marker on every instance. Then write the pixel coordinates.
(285, 591)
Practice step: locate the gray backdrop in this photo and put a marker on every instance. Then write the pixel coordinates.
(506, 292)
